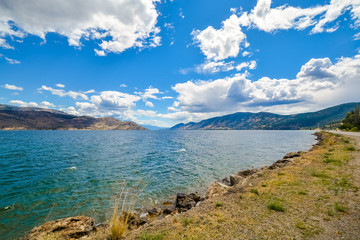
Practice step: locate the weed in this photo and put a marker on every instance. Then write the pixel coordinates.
(330, 212)
(281, 173)
(333, 161)
(263, 185)
(302, 193)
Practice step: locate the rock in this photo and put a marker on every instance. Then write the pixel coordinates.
(248, 172)
(65, 228)
(235, 180)
(216, 188)
(154, 212)
(186, 201)
(291, 155)
(279, 164)
(226, 181)
(167, 208)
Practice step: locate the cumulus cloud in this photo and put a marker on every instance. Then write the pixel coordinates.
(149, 104)
(46, 104)
(23, 104)
(230, 39)
(316, 84)
(151, 93)
(12, 87)
(250, 65)
(63, 93)
(224, 42)
(115, 25)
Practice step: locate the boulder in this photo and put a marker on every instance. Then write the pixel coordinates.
(235, 180)
(185, 202)
(154, 212)
(226, 181)
(65, 228)
(279, 164)
(216, 188)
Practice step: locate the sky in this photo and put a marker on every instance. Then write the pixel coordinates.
(164, 62)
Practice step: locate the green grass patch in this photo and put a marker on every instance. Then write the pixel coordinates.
(319, 174)
(263, 185)
(336, 162)
(350, 148)
(340, 208)
(301, 225)
(302, 193)
(219, 204)
(149, 236)
(281, 173)
(276, 206)
(254, 191)
(186, 221)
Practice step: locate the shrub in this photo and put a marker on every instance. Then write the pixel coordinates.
(254, 191)
(354, 129)
(340, 208)
(219, 204)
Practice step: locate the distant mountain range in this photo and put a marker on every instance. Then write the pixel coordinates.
(328, 117)
(25, 118)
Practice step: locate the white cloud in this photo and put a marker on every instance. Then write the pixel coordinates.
(149, 93)
(12, 87)
(149, 104)
(214, 67)
(46, 104)
(63, 93)
(250, 65)
(123, 85)
(24, 104)
(60, 85)
(229, 40)
(314, 87)
(166, 97)
(115, 25)
(225, 42)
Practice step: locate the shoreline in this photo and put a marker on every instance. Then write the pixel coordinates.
(182, 203)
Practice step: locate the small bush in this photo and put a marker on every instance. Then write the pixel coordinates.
(354, 129)
(276, 206)
(301, 225)
(263, 185)
(281, 173)
(302, 193)
(254, 191)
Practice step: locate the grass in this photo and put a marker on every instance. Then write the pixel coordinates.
(351, 148)
(319, 174)
(219, 204)
(150, 236)
(340, 208)
(254, 191)
(313, 187)
(276, 206)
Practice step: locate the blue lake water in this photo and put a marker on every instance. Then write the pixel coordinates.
(45, 175)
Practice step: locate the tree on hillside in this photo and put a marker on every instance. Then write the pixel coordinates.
(352, 120)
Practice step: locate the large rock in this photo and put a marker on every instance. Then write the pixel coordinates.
(216, 188)
(291, 155)
(65, 228)
(186, 201)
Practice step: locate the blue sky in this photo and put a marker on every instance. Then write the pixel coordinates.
(164, 62)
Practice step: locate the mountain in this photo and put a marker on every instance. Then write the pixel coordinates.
(25, 118)
(151, 127)
(270, 121)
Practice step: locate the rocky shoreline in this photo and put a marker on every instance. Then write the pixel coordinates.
(80, 227)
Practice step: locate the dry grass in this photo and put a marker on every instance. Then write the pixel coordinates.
(304, 201)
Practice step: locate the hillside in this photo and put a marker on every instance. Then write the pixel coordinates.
(20, 118)
(271, 121)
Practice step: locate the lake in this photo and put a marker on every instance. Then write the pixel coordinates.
(45, 175)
